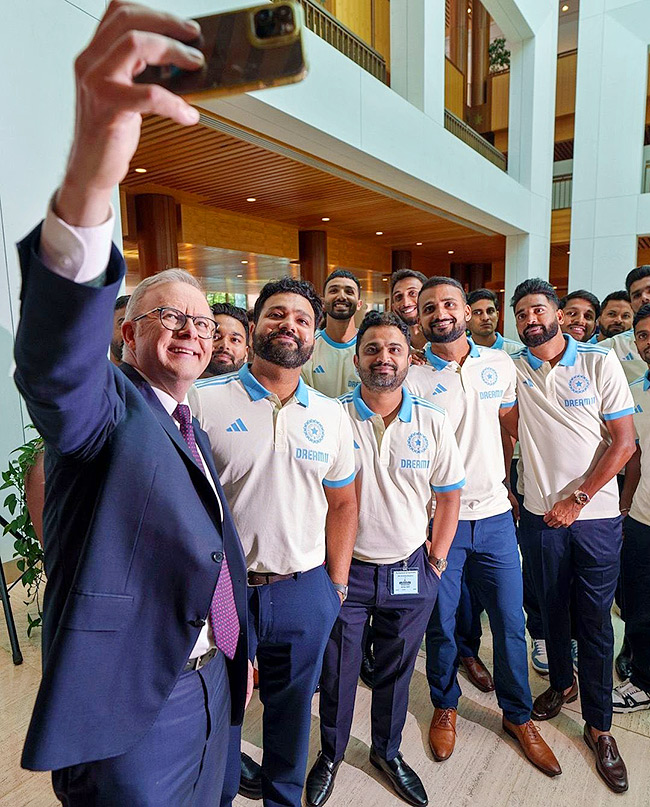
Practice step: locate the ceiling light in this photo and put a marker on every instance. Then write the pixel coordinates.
(568, 252)
(502, 291)
(450, 252)
(418, 243)
(385, 279)
(379, 232)
(469, 10)
(325, 218)
(140, 170)
(565, 7)
(244, 262)
(240, 275)
(251, 199)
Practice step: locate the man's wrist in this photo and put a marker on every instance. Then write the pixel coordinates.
(80, 206)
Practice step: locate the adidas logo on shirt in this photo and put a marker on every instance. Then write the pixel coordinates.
(319, 369)
(439, 389)
(528, 382)
(237, 426)
(629, 357)
(638, 409)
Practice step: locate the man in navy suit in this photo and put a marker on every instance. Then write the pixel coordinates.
(144, 631)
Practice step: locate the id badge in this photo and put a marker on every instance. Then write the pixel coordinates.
(405, 581)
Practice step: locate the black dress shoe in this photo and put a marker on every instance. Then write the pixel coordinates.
(250, 783)
(320, 780)
(623, 663)
(405, 781)
(367, 672)
(609, 764)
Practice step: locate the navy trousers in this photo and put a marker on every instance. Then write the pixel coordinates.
(587, 553)
(289, 623)
(399, 622)
(635, 577)
(488, 548)
(180, 762)
(468, 620)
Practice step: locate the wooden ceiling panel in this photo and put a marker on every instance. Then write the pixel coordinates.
(216, 169)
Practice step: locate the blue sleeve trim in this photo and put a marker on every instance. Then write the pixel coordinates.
(617, 415)
(508, 405)
(340, 483)
(446, 488)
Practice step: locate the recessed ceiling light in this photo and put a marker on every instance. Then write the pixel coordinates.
(418, 243)
(385, 279)
(240, 275)
(244, 262)
(251, 199)
(568, 252)
(450, 252)
(469, 10)
(140, 170)
(379, 232)
(565, 7)
(502, 291)
(325, 218)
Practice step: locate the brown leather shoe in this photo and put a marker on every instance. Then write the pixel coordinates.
(478, 673)
(550, 702)
(533, 746)
(442, 733)
(608, 761)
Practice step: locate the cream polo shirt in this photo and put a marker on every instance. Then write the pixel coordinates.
(640, 389)
(331, 369)
(399, 465)
(472, 395)
(509, 345)
(274, 462)
(624, 347)
(562, 432)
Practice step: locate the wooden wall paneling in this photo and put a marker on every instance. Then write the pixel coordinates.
(381, 37)
(357, 16)
(454, 89)
(561, 226)
(565, 97)
(500, 97)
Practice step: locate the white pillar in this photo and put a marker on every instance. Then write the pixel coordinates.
(417, 54)
(608, 147)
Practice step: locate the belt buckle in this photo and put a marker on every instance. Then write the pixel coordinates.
(259, 575)
(205, 658)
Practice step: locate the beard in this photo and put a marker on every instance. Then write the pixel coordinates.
(410, 321)
(380, 381)
(342, 313)
(287, 357)
(540, 338)
(221, 368)
(451, 336)
(117, 348)
(614, 330)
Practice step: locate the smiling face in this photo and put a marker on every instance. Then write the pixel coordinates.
(616, 317)
(170, 360)
(579, 319)
(537, 319)
(284, 332)
(383, 359)
(341, 299)
(404, 300)
(444, 314)
(229, 347)
(484, 318)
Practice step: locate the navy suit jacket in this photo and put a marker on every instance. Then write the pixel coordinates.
(132, 529)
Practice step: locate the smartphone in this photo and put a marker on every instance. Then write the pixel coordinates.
(248, 49)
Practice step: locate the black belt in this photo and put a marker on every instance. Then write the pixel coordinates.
(200, 661)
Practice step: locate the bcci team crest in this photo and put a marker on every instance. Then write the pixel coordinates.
(578, 384)
(489, 376)
(417, 442)
(314, 431)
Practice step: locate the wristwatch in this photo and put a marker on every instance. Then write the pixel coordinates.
(439, 563)
(342, 590)
(581, 497)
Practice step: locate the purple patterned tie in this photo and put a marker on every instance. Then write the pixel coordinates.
(223, 612)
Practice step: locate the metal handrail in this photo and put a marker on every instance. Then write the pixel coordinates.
(562, 192)
(465, 133)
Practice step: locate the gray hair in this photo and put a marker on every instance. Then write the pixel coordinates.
(166, 276)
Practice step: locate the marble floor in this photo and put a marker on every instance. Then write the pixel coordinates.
(487, 769)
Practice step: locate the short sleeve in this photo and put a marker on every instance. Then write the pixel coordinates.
(509, 398)
(342, 471)
(448, 471)
(616, 398)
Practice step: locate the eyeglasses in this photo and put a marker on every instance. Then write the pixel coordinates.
(175, 320)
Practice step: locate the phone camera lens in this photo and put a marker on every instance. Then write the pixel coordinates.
(263, 16)
(284, 13)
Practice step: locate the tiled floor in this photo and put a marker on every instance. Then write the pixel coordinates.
(486, 770)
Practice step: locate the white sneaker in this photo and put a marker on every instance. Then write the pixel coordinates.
(629, 698)
(538, 657)
(574, 654)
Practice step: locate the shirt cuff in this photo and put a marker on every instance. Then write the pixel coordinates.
(80, 254)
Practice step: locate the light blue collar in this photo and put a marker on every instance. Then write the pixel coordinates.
(257, 391)
(646, 381)
(337, 345)
(568, 357)
(405, 411)
(439, 363)
(500, 341)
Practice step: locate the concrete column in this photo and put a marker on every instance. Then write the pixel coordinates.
(608, 210)
(417, 50)
(312, 253)
(157, 228)
(480, 53)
